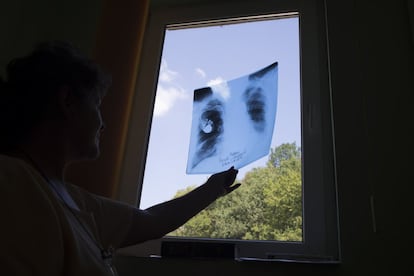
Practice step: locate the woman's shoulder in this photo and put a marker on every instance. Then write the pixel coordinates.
(10, 165)
(18, 178)
(87, 199)
(30, 222)
(8, 159)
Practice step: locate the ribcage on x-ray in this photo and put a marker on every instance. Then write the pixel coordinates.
(255, 103)
(233, 121)
(210, 129)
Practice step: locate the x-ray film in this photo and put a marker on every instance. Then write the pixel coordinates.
(232, 123)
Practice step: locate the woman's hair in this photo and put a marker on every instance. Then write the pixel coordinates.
(29, 90)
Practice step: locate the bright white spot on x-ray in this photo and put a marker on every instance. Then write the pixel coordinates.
(232, 123)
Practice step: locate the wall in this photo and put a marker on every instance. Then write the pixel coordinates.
(24, 23)
(372, 77)
(371, 48)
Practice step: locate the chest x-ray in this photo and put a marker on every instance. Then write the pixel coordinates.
(232, 123)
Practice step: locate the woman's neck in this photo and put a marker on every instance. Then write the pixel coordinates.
(46, 159)
(52, 174)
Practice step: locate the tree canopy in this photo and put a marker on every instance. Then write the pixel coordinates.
(267, 206)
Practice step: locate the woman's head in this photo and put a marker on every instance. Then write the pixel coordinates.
(28, 95)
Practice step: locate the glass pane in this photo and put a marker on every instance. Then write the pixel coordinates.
(268, 205)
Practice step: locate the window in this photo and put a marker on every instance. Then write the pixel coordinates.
(186, 49)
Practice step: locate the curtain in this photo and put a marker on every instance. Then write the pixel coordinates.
(118, 46)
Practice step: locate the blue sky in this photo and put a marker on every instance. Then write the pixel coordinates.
(199, 57)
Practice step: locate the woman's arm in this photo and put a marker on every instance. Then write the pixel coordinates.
(160, 219)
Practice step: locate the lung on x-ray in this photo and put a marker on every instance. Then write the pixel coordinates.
(232, 123)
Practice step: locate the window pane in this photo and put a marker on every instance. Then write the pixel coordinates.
(268, 206)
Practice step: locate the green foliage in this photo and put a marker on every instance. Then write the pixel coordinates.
(283, 152)
(268, 205)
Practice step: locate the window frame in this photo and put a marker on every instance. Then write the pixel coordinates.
(320, 218)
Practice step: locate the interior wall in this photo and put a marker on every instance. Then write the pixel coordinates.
(24, 23)
(374, 187)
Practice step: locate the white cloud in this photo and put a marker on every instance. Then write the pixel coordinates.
(215, 81)
(220, 86)
(166, 75)
(168, 91)
(166, 98)
(200, 72)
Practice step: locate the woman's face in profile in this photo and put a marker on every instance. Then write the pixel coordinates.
(86, 127)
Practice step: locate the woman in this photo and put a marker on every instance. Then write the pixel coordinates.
(50, 116)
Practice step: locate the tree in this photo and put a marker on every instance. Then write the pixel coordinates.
(283, 152)
(268, 205)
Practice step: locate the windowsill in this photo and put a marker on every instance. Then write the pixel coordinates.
(156, 265)
(150, 251)
(228, 260)
(287, 260)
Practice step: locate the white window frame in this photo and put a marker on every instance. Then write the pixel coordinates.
(320, 217)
